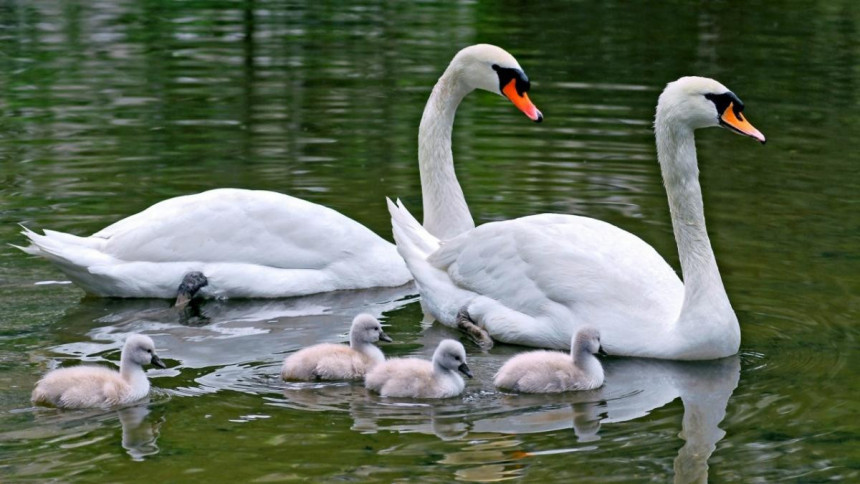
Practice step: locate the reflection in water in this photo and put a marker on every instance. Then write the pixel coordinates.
(236, 342)
(139, 433)
(633, 389)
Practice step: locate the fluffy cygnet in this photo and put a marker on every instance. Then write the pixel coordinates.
(416, 378)
(339, 362)
(554, 371)
(89, 386)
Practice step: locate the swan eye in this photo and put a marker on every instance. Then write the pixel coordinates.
(724, 100)
(506, 74)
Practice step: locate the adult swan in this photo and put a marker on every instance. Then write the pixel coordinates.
(536, 280)
(249, 243)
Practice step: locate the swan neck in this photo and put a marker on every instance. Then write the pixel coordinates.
(589, 364)
(134, 374)
(366, 348)
(705, 297)
(445, 211)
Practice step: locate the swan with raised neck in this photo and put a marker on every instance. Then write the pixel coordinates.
(481, 66)
(536, 280)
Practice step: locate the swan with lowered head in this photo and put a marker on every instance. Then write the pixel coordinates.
(536, 280)
(328, 361)
(251, 243)
(554, 371)
(417, 378)
(88, 386)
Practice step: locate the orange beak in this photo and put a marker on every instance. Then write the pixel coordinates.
(523, 103)
(739, 124)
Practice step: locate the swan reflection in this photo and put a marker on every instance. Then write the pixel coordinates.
(139, 431)
(633, 389)
(228, 332)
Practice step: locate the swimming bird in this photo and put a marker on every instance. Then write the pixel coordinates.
(89, 386)
(262, 244)
(553, 371)
(328, 361)
(536, 280)
(417, 378)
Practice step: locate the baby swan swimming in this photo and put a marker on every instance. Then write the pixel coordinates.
(88, 386)
(328, 361)
(554, 371)
(416, 378)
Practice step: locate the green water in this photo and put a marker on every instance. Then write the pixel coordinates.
(110, 106)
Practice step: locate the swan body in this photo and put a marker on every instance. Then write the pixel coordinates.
(536, 280)
(261, 244)
(553, 371)
(417, 378)
(248, 243)
(328, 361)
(88, 386)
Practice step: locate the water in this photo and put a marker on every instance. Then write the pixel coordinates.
(110, 106)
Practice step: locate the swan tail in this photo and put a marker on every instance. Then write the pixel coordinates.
(413, 240)
(75, 256)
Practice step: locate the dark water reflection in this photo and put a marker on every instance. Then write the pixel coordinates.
(110, 106)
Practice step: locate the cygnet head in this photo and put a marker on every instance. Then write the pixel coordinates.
(366, 329)
(451, 356)
(491, 68)
(140, 349)
(586, 340)
(699, 102)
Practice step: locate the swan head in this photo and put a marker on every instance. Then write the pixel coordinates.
(491, 68)
(586, 340)
(140, 349)
(451, 356)
(699, 102)
(367, 329)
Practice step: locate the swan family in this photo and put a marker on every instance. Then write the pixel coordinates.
(556, 281)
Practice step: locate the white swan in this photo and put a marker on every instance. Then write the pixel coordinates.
(536, 280)
(250, 243)
(89, 386)
(417, 378)
(328, 361)
(554, 371)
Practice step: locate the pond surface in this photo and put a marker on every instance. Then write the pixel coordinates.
(111, 106)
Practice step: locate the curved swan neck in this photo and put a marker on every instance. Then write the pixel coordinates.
(588, 363)
(445, 211)
(705, 299)
(133, 373)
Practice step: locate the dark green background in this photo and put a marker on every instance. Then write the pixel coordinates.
(110, 106)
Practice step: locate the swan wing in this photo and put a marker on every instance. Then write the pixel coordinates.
(562, 267)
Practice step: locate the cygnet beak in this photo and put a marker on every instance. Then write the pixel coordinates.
(385, 337)
(464, 369)
(156, 361)
(602, 352)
